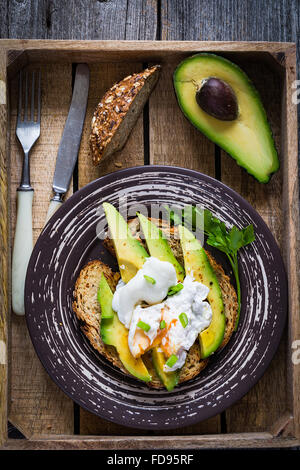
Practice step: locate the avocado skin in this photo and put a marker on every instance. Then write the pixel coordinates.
(158, 245)
(196, 261)
(262, 175)
(169, 379)
(114, 333)
(130, 252)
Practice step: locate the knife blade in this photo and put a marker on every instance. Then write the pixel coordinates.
(69, 145)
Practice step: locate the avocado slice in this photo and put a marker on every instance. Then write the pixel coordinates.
(158, 245)
(196, 262)
(114, 333)
(248, 138)
(129, 251)
(169, 379)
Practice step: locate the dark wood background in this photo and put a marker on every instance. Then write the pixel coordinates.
(225, 20)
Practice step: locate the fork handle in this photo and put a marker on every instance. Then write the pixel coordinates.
(23, 244)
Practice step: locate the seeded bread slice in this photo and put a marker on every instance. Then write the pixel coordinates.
(88, 311)
(118, 111)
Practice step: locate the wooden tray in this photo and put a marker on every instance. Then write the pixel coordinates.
(269, 415)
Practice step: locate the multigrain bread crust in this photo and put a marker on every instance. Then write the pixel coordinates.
(118, 111)
(87, 308)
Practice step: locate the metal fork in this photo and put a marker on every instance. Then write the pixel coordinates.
(28, 132)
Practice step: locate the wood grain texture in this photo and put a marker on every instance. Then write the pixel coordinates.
(177, 20)
(262, 406)
(174, 141)
(37, 405)
(291, 234)
(217, 441)
(4, 243)
(102, 77)
(79, 19)
(166, 83)
(228, 20)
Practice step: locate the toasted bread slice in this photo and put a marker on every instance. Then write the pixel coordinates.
(118, 111)
(88, 311)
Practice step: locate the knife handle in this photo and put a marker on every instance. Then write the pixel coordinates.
(23, 244)
(53, 206)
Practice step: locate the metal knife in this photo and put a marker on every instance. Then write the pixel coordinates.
(70, 141)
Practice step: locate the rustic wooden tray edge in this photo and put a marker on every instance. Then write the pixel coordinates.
(286, 432)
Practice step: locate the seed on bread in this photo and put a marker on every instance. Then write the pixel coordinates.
(118, 111)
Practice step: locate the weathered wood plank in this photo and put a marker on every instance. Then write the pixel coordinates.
(224, 441)
(219, 20)
(37, 405)
(291, 235)
(4, 248)
(84, 19)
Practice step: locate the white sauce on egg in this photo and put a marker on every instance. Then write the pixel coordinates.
(138, 289)
(176, 338)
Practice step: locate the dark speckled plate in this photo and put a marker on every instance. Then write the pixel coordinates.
(69, 241)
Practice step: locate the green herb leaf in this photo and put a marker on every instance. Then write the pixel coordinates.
(162, 324)
(229, 242)
(172, 360)
(149, 279)
(144, 326)
(174, 289)
(248, 235)
(183, 319)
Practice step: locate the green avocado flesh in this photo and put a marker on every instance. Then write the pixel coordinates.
(248, 139)
(158, 245)
(196, 262)
(114, 333)
(130, 252)
(104, 296)
(169, 379)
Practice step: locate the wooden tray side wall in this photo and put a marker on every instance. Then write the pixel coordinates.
(283, 422)
(4, 249)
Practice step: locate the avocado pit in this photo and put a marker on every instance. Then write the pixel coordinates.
(218, 99)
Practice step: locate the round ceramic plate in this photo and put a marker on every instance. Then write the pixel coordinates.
(69, 241)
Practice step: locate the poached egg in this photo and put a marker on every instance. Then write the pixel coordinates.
(155, 319)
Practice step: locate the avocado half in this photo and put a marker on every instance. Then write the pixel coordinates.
(248, 138)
